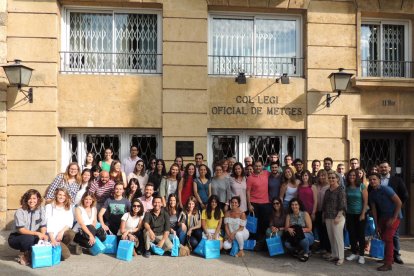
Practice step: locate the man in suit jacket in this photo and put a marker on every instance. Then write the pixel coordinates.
(398, 185)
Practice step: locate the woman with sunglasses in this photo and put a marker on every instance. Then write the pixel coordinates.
(132, 223)
(277, 219)
(334, 208)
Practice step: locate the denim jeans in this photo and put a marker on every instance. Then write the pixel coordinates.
(304, 244)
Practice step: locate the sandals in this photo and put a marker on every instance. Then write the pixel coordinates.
(304, 258)
(23, 259)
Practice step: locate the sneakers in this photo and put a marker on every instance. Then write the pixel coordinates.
(147, 254)
(361, 260)
(352, 257)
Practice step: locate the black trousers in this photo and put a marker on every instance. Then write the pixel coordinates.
(356, 230)
(322, 232)
(262, 211)
(82, 238)
(22, 242)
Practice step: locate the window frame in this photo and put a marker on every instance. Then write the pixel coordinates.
(244, 142)
(407, 43)
(65, 40)
(254, 16)
(125, 136)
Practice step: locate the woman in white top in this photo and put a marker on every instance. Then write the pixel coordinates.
(235, 226)
(169, 184)
(86, 217)
(86, 177)
(59, 221)
(140, 174)
(238, 185)
(289, 187)
(131, 223)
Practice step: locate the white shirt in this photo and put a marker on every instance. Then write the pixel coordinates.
(129, 164)
(87, 220)
(385, 180)
(130, 222)
(57, 218)
(80, 193)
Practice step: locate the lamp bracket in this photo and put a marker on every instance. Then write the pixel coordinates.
(28, 94)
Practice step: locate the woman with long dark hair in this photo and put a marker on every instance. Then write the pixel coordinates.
(277, 220)
(357, 205)
(89, 161)
(185, 187)
(105, 164)
(157, 175)
(201, 186)
(140, 174)
(238, 185)
(132, 223)
(169, 184)
(133, 191)
(308, 194)
(86, 182)
(289, 187)
(211, 220)
(190, 219)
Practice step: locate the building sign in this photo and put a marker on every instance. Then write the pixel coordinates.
(257, 105)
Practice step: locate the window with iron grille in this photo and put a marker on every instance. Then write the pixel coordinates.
(111, 42)
(77, 143)
(385, 49)
(259, 46)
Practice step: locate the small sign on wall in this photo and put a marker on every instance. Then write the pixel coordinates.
(184, 148)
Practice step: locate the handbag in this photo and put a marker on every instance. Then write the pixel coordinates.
(377, 248)
(299, 235)
(125, 250)
(111, 243)
(251, 223)
(249, 245)
(274, 245)
(234, 248)
(42, 255)
(175, 251)
(199, 250)
(97, 248)
(56, 254)
(369, 226)
(157, 250)
(212, 249)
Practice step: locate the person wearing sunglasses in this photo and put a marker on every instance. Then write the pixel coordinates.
(277, 219)
(132, 223)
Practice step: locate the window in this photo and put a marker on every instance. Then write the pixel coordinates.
(259, 46)
(385, 49)
(111, 42)
(77, 142)
(260, 145)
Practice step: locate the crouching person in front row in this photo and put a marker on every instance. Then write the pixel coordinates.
(30, 225)
(86, 217)
(156, 227)
(59, 221)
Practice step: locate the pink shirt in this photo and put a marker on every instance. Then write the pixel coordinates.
(258, 187)
(147, 203)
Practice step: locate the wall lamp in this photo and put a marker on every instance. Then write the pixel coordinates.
(241, 78)
(19, 75)
(339, 82)
(284, 79)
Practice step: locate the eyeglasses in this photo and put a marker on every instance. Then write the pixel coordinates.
(137, 206)
(276, 203)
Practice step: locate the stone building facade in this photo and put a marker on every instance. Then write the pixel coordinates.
(157, 72)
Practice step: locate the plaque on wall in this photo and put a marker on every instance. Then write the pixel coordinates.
(184, 148)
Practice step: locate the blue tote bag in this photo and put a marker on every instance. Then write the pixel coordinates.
(369, 226)
(56, 254)
(274, 245)
(42, 255)
(377, 248)
(97, 248)
(157, 250)
(249, 245)
(111, 243)
(212, 249)
(175, 251)
(251, 224)
(125, 250)
(199, 250)
(234, 248)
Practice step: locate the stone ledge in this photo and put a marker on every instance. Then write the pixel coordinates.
(378, 82)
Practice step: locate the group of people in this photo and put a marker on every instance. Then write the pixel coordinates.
(146, 204)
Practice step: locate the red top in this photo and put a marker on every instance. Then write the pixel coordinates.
(187, 190)
(258, 186)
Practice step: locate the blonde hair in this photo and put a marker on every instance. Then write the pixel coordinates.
(78, 176)
(68, 199)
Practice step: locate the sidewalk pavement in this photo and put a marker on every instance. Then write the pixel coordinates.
(254, 263)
